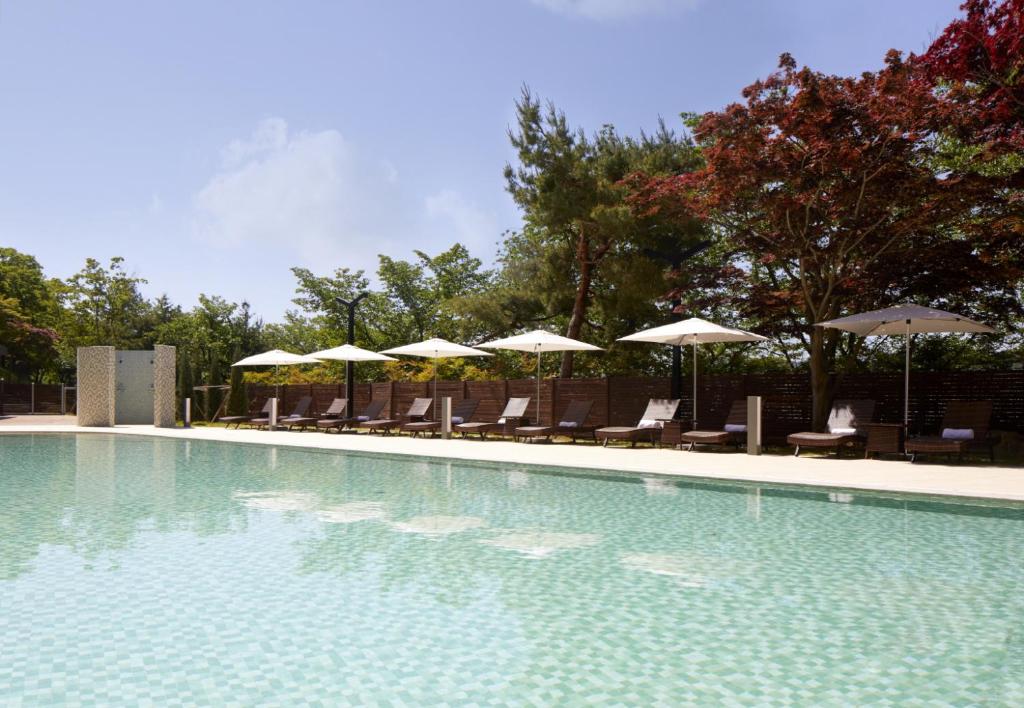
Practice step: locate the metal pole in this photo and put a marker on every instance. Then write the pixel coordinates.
(538, 391)
(677, 351)
(906, 385)
(694, 384)
(32, 397)
(350, 366)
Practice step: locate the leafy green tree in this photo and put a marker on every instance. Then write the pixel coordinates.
(29, 314)
(573, 191)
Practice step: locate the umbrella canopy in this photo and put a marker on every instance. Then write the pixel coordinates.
(539, 341)
(906, 320)
(903, 318)
(276, 357)
(347, 352)
(435, 349)
(693, 331)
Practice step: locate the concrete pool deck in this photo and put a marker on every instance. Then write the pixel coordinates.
(965, 481)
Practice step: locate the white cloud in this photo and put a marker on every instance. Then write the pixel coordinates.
(306, 193)
(282, 198)
(470, 225)
(604, 10)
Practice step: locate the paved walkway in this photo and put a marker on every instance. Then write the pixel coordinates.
(1002, 483)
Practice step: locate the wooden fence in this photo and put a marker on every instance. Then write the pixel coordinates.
(621, 400)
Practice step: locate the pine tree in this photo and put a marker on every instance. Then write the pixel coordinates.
(213, 395)
(238, 397)
(185, 382)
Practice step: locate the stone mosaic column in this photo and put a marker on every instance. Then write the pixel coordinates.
(96, 386)
(164, 379)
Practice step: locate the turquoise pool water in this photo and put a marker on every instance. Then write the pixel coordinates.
(137, 569)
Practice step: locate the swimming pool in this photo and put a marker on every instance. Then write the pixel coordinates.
(136, 569)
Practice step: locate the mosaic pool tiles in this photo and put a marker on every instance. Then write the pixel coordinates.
(136, 570)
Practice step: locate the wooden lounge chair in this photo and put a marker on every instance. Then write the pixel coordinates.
(462, 410)
(846, 424)
(965, 425)
(734, 432)
(572, 423)
(334, 411)
(417, 411)
(239, 419)
(372, 410)
(298, 414)
(648, 429)
(511, 418)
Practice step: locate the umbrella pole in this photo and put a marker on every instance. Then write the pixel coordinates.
(538, 392)
(694, 384)
(435, 413)
(906, 384)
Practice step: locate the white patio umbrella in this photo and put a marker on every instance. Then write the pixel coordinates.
(692, 331)
(435, 349)
(539, 341)
(906, 320)
(349, 352)
(276, 358)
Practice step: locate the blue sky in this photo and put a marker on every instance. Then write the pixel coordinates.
(216, 144)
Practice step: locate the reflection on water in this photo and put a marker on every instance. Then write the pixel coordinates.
(353, 512)
(263, 575)
(439, 525)
(540, 544)
(279, 501)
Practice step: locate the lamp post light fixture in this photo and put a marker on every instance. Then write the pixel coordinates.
(675, 260)
(350, 367)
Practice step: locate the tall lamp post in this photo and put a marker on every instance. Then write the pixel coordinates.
(675, 260)
(350, 366)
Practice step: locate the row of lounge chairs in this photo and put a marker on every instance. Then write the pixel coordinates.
(965, 424)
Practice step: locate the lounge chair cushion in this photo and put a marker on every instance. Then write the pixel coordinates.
(650, 423)
(735, 428)
(568, 424)
(843, 431)
(456, 420)
(957, 434)
(502, 420)
(362, 418)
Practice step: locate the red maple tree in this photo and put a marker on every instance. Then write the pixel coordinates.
(977, 63)
(826, 188)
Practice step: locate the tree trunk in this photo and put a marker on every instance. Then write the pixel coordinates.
(579, 313)
(821, 381)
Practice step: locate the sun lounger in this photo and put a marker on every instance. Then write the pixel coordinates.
(512, 417)
(417, 411)
(239, 419)
(463, 410)
(734, 432)
(572, 423)
(296, 417)
(372, 410)
(335, 411)
(965, 425)
(846, 424)
(648, 429)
